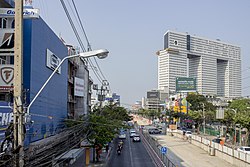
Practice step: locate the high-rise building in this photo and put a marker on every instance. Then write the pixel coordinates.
(216, 65)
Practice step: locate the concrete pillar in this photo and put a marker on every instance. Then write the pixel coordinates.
(87, 153)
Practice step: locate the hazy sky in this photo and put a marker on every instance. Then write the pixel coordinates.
(132, 30)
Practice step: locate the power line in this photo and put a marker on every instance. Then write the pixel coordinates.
(78, 37)
(88, 43)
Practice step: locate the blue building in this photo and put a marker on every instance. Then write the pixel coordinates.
(42, 51)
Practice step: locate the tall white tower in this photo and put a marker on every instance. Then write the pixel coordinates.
(215, 65)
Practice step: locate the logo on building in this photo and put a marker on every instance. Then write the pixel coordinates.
(7, 41)
(7, 74)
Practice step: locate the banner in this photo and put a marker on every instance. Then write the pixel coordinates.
(27, 13)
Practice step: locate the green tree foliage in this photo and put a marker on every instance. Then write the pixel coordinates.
(199, 108)
(104, 123)
(242, 115)
(151, 114)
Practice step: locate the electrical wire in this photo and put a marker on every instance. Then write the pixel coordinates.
(84, 32)
(78, 38)
(99, 76)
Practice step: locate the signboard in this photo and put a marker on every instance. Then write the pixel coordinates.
(220, 113)
(27, 13)
(6, 116)
(172, 127)
(79, 87)
(152, 95)
(7, 40)
(27, 3)
(164, 150)
(6, 77)
(53, 61)
(185, 84)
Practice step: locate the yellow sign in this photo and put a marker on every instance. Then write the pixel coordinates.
(180, 109)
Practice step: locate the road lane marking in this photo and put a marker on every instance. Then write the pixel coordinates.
(130, 152)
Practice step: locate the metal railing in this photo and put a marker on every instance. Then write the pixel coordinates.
(157, 148)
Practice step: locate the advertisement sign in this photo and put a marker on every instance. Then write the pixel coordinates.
(7, 40)
(6, 77)
(185, 84)
(27, 2)
(152, 95)
(79, 87)
(6, 116)
(27, 13)
(53, 61)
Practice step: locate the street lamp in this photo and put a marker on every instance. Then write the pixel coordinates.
(101, 54)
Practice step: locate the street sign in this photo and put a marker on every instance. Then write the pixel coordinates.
(164, 150)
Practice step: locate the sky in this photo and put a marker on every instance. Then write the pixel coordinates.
(132, 31)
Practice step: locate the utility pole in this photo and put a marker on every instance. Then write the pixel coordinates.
(18, 85)
(204, 117)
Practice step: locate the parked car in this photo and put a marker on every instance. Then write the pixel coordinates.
(188, 134)
(136, 138)
(244, 149)
(217, 140)
(154, 131)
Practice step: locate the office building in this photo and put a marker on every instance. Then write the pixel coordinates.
(216, 65)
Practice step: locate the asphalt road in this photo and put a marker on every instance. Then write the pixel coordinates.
(134, 154)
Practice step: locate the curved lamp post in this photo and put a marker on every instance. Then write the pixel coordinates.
(101, 54)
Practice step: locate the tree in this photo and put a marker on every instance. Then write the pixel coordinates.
(242, 115)
(104, 124)
(200, 109)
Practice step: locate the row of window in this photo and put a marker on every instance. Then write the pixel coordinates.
(4, 23)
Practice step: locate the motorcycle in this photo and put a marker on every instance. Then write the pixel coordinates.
(119, 152)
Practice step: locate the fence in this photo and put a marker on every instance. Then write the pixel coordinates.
(227, 153)
(168, 162)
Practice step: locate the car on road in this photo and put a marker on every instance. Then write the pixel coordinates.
(154, 131)
(132, 134)
(122, 136)
(132, 131)
(244, 149)
(136, 138)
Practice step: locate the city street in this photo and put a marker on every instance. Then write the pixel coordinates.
(134, 154)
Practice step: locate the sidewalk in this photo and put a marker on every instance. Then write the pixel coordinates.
(104, 157)
(189, 155)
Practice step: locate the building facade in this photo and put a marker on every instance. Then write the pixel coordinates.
(215, 65)
(79, 85)
(155, 100)
(42, 52)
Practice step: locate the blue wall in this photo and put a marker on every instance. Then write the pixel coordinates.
(50, 108)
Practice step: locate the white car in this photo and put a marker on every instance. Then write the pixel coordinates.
(244, 149)
(132, 134)
(188, 134)
(122, 136)
(132, 131)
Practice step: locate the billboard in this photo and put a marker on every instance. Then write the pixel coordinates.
(152, 95)
(185, 84)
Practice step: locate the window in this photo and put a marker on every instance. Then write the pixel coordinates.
(13, 24)
(3, 22)
(175, 42)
